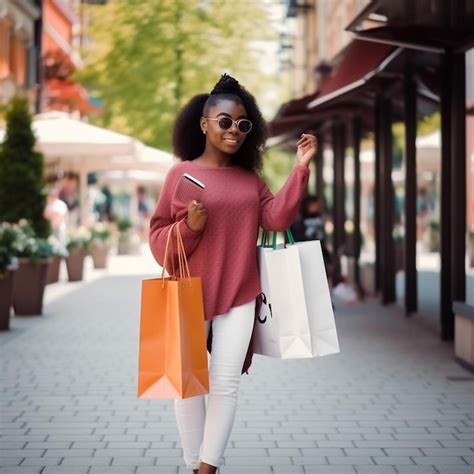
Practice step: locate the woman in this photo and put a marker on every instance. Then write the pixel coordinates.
(220, 138)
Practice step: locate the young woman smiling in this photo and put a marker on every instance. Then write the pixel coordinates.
(220, 138)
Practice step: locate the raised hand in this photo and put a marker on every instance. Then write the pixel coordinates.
(307, 147)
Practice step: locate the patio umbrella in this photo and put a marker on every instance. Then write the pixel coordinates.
(68, 144)
(71, 145)
(63, 138)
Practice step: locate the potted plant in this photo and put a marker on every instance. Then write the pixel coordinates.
(398, 242)
(8, 264)
(34, 256)
(471, 246)
(23, 196)
(77, 243)
(128, 241)
(22, 184)
(99, 244)
(59, 252)
(433, 237)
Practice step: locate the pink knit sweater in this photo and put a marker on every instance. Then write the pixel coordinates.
(224, 254)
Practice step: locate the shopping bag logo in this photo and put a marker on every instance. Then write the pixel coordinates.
(264, 303)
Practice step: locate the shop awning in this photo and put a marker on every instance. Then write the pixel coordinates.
(353, 68)
(359, 62)
(427, 25)
(66, 95)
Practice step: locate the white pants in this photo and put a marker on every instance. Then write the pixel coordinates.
(204, 434)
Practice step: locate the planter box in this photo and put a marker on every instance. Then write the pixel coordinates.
(99, 251)
(464, 335)
(433, 240)
(28, 287)
(367, 278)
(6, 298)
(128, 243)
(53, 270)
(75, 263)
(470, 245)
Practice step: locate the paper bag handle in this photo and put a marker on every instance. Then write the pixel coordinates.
(183, 267)
(265, 239)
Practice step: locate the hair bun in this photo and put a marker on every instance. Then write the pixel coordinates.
(226, 84)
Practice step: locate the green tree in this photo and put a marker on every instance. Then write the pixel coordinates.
(429, 124)
(278, 163)
(22, 185)
(148, 58)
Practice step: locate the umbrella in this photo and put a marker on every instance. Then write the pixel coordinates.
(68, 144)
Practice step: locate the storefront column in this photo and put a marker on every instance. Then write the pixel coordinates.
(356, 136)
(458, 178)
(411, 289)
(453, 189)
(385, 201)
(339, 146)
(377, 141)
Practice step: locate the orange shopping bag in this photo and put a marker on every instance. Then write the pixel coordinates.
(172, 361)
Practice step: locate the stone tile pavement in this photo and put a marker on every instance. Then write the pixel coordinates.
(393, 401)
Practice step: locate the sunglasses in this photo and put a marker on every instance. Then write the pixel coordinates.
(225, 123)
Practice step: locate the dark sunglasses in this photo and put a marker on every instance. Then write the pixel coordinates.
(243, 125)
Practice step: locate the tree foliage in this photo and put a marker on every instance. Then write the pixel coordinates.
(22, 186)
(278, 163)
(148, 58)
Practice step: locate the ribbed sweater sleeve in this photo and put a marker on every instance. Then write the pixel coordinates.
(168, 211)
(277, 212)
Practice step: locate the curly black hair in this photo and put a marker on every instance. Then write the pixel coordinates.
(189, 141)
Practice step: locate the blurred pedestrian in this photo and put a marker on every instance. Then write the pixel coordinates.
(309, 225)
(143, 213)
(424, 210)
(56, 212)
(106, 210)
(219, 138)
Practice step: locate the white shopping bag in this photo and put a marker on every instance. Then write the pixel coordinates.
(318, 299)
(266, 330)
(301, 321)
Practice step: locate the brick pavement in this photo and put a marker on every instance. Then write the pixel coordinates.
(393, 401)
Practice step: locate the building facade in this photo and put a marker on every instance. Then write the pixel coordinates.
(39, 51)
(18, 47)
(389, 66)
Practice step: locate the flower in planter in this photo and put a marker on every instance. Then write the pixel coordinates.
(99, 244)
(78, 237)
(101, 232)
(29, 245)
(9, 237)
(433, 236)
(59, 249)
(398, 233)
(124, 224)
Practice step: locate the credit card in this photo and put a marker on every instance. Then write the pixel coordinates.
(194, 180)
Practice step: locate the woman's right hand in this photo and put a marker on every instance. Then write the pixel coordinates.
(197, 216)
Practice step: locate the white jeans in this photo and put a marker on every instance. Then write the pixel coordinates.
(204, 434)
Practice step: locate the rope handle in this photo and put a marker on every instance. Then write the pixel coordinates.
(168, 239)
(183, 267)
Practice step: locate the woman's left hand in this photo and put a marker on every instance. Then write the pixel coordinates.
(307, 149)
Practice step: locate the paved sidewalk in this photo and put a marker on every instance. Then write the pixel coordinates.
(393, 400)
